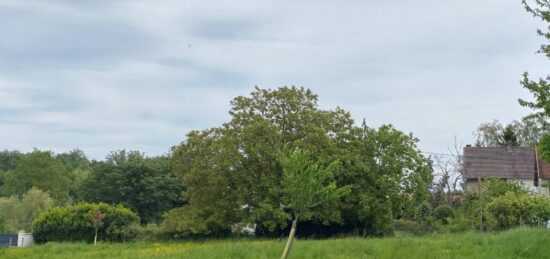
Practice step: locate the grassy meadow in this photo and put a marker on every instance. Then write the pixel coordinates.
(518, 243)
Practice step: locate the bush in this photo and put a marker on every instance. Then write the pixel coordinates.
(73, 223)
(443, 213)
(514, 209)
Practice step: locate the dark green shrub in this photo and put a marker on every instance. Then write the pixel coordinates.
(73, 223)
(443, 213)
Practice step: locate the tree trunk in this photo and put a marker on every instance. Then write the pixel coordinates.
(95, 238)
(290, 238)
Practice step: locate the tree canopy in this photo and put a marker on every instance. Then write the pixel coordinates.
(232, 174)
(145, 185)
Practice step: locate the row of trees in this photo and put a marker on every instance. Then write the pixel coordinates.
(221, 179)
(30, 183)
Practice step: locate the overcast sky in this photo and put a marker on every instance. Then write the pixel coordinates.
(106, 75)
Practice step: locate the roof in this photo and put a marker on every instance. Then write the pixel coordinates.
(500, 162)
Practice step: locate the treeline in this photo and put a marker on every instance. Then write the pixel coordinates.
(33, 182)
(228, 179)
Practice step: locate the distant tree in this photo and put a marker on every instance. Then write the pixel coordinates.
(8, 162)
(489, 134)
(145, 185)
(509, 137)
(74, 159)
(307, 187)
(38, 169)
(449, 169)
(19, 213)
(9, 159)
(518, 133)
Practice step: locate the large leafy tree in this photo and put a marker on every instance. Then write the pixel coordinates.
(241, 156)
(145, 185)
(207, 163)
(232, 174)
(38, 169)
(389, 178)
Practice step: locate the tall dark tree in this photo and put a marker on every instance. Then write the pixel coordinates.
(145, 185)
(509, 137)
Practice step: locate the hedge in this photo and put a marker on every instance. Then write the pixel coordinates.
(73, 223)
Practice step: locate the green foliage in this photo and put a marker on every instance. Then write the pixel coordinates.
(144, 185)
(526, 132)
(74, 159)
(443, 213)
(539, 89)
(494, 188)
(38, 169)
(515, 209)
(307, 186)
(544, 148)
(9, 160)
(19, 213)
(239, 160)
(389, 177)
(423, 212)
(509, 137)
(73, 223)
(188, 221)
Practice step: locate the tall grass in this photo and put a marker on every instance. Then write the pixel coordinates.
(518, 243)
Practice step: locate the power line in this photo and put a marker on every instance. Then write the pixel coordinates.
(435, 153)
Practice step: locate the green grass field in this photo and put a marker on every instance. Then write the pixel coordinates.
(518, 243)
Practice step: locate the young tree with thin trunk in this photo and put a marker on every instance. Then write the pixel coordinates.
(97, 222)
(306, 186)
